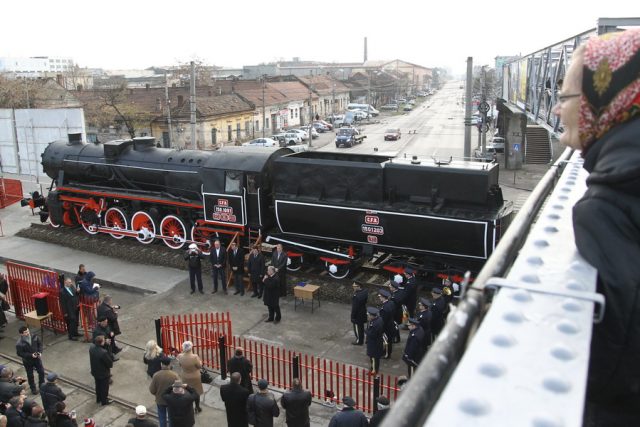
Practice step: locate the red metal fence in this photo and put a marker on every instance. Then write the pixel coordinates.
(10, 191)
(25, 281)
(203, 330)
(327, 380)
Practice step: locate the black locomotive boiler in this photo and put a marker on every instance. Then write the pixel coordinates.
(339, 207)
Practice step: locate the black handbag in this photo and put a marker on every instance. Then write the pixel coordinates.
(205, 376)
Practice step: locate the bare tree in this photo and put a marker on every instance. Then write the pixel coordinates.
(29, 93)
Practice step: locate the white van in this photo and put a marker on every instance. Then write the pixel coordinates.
(364, 107)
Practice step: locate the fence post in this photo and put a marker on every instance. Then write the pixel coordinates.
(296, 366)
(376, 393)
(158, 333)
(223, 357)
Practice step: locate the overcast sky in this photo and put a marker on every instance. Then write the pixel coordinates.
(119, 34)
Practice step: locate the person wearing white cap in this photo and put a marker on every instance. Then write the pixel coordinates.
(141, 418)
(194, 256)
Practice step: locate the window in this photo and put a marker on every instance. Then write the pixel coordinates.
(214, 136)
(238, 131)
(257, 125)
(165, 140)
(252, 184)
(232, 182)
(229, 133)
(266, 123)
(291, 113)
(297, 112)
(247, 128)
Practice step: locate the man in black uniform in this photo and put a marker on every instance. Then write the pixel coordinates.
(236, 262)
(424, 317)
(375, 345)
(271, 296)
(398, 296)
(279, 262)
(101, 364)
(411, 286)
(359, 312)
(242, 365)
(218, 257)
(387, 312)
(70, 305)
(437, 311)
(255, 265)
(414, 349)
(195, 257)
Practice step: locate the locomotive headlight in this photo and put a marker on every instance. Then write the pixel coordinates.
(333, 269)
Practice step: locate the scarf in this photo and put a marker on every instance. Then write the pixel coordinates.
(610, 84)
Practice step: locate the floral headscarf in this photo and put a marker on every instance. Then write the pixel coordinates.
(610, 84)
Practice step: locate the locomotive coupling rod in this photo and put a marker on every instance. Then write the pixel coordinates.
(498, 282)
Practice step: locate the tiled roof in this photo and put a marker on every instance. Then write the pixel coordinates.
(209, 106)
(323, 85)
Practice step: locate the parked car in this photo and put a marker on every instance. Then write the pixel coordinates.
(319, 127)
(498, 143)
(401, 101)
(297, 148)
(408, 107)
(326, 124)
(392, 134)
(261, 142)
(360, 115)
(488, 156)
(389, 107)
(287, 138)
(303, 134)
(314, 132)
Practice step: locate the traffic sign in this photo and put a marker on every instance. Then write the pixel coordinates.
(516, 147)
(484, 107)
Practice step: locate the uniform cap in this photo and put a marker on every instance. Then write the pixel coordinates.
(385, 293)
(409, 270)
(373, 311)
(141, 410)
(424, 302)
(52, 376)
(348, 400)
(383, 400)
(263, 384)
(437, 291)
(414, 321)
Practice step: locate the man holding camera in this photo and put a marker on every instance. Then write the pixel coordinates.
(29, 348)
(108, 310)
(194, 256)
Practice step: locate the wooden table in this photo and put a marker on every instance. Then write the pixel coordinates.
(34, 321)
(306, 292)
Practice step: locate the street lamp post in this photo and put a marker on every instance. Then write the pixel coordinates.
(264, 120)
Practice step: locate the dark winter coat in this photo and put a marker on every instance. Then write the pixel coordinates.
(424, 317)
(35, 422)
(69, 302)
(376, 419)
(387, 313)
(15, 418)
(279, 261)
(437, 309)
(26, 350)
(398, 297)
(86, 286)
(108, 311)
(181, 407)
(296, 404)
(153, 365)
(218, 259)
(51, 394)
(64, 420)
(235, 398)
(101, 362)
(271, 294)
(349, 417)
(195, 259)
(414, 349)
(8, 389)
(255, 265)
(264, 407)
(607, 233)
(375, 345)
(236, 260)
(359, 306)
(135, 422)
(243, 366)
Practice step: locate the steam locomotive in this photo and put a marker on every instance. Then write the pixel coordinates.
(340, 208)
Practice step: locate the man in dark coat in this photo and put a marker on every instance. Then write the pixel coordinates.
(101, 364)
(141, 419)
(375, 339)
(108, 310)
(255, 265)
(35, 419)
(349, 416)
(15, 413)
(424, 317)
(262, 407)
(398, 296)
(387, 312)
(80, 276)
(51, 394)
(411, 286)
(272, 294)
(180, 399)
(437, 309)
(240, 364)
(10, 386)
(279, 262)
(382, 403)
(102, 328)
(29, 348)
(194, 257)
(218, 258)
(236, 263)
(296, 404)
(414, 349)
(235, 398)
(70, 305)
(359, 312)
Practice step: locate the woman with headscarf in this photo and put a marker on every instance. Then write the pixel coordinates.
(599, 106)
(191, 365)
(152, 357)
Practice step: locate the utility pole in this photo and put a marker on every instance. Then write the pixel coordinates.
(467, 109)
(192, 103)
(368, 94)
(310, 115)
(484, 114)
(264, 120)
(168, 101)
(333, 100)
